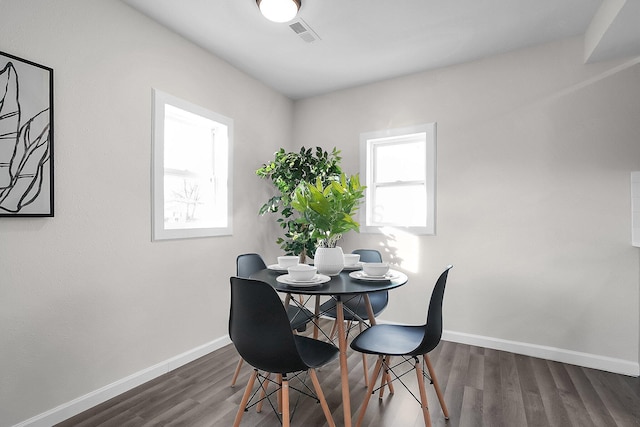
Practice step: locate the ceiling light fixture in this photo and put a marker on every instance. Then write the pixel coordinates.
(279, 10)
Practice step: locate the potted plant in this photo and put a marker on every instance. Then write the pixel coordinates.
(329, 211)
(287, 170)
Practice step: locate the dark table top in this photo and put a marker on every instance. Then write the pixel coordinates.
(338, 285)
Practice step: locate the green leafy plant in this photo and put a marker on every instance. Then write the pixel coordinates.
(287, 170)
(329, 209)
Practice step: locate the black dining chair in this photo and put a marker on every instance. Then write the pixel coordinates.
(261, 332)
(409, 342)
(246, 265)
(354, 306)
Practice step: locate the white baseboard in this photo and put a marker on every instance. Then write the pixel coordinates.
(587, 360)
(89, 400)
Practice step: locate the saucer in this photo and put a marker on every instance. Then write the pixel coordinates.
(361, 275)
(316, 280)
(276, 267)
(356, 266)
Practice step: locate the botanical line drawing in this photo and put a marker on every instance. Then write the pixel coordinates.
(25, 146)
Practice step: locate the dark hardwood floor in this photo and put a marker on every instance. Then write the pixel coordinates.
(482, 387)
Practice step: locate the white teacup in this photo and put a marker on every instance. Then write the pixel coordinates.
(375, 268)
(351, 259)
(286, 261)
(302, 272)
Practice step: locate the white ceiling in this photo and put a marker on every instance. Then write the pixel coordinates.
(362, 41)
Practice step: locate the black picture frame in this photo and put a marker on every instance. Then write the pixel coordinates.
(26, 138)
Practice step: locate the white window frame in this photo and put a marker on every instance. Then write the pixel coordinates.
(222, 149)
(368, 142)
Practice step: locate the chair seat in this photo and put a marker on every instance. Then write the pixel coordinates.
(315, 353)
(392, 340)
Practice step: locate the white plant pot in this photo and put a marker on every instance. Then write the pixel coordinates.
(329, 261)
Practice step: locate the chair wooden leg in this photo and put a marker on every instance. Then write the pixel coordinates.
(334, 330)
(279, 394)
(323, 401)
(365, 369)
(285, 402)
(263, 393)
(372, 383)
(365, 366)
(370, 314)
(385, 380)
(237, 372)
(245, 398)
(434, 380)
(423, 394)
(389, 382)
(372, 322)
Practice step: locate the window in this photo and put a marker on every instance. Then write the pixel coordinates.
(191, 170)
(400, 172)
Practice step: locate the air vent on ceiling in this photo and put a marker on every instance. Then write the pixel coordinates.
(305, 32)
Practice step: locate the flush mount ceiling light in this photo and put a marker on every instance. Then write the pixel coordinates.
(279, 10)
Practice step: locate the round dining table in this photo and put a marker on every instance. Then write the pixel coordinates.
(339, 287)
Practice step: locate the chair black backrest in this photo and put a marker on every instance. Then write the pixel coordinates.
(247, 264)
(433, 327)
(260, 329)
(368, 255)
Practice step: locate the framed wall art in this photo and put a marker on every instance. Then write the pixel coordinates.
(26, 138)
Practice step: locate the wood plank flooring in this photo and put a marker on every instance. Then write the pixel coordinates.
(482, 387)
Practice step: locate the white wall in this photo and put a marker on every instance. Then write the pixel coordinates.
(534, 155)
(533, 206)
(86, 298)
